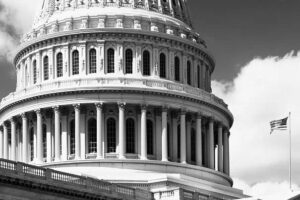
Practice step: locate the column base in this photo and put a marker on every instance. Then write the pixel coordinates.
(64, 159)
(143, 158)
(57, 160)
(77, 158)
(38, 162)
(99, 157)
(122, 157)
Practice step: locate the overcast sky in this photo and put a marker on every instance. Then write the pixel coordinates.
(256, 44)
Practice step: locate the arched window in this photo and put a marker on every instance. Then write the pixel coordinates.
(92, 133)
(150, 137)
(188, 71)
(146, 63)
(110, 60)
(31, 136)
(59, 65)
(46, 68)
(128, 61)
(177, 69)
(198, 76)
(34, 72)
(93, 61)
(75, 62)
(162, 66)
(178, 141)
(130, 136)
(193, 145)
(44, 140)
(111, 135)
(72, 137)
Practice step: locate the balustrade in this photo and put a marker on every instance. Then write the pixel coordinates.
(53, 177)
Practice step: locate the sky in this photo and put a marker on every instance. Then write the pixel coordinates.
(256, 44)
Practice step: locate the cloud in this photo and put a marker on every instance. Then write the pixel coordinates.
(266, 89)
(16, 18)
(267, 190)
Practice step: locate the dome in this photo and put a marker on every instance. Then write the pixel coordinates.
(53, 10)
(120, 91)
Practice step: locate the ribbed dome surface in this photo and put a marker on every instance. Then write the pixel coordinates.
(61, 9)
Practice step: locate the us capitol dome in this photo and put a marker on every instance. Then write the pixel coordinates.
(120, 90)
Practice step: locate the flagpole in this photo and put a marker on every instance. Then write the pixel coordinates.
(290, 150)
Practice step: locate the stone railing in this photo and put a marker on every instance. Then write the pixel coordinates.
(55, 178)
(111, 83)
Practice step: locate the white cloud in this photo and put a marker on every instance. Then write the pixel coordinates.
(264, 90)
(267, 190)
(7, 45)
(16, 18)
(21, 12)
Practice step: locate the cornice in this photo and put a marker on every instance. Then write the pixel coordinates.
(124, 91)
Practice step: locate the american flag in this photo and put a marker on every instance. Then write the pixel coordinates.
(280, 124)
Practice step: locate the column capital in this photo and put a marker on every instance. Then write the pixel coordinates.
(165, 108)
(121, 105)
(226, 130)
(220, 124)
(76, 106)
(99, 105)
(5, 124)
(199, 115)
(23, 115)
(183, 111)
(144, 106)
(56, 108)
(12, 120)
(211, 119)
(38, 112)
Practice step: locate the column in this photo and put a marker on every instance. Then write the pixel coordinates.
(39, 136)
(226, 152)
(25, 137)
(5, 141)
(220, 148)
(175, 136)
(99, 130)
(77, 131)
(56, 134)
(211, 144)
(164, 135)
(49, 140)
(171, 8)
(13, 139)
(188, 140)
(1, 142)
(121, 131)
(64, 138)
(159, 6)
(199, 140)
(143, 133)
(34, 141)
(158, 134)
(83, 135)
(182, 138)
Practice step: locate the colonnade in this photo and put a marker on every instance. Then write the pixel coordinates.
(206, 128)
